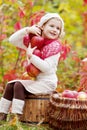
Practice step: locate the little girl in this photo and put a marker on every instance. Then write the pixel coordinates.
(50, 27)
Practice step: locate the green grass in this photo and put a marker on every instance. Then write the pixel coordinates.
(22, 126)
(12, 123)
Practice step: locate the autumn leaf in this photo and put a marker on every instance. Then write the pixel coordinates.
(65, 50)
(2, 37)
(10, 75)
(21, 13)
(17, 26)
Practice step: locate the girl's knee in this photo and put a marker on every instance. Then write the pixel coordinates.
(9, 87)
(18, 86)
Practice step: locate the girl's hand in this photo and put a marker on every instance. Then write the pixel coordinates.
(30, 50)
(34, 30)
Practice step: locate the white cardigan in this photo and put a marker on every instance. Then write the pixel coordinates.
(46, 81)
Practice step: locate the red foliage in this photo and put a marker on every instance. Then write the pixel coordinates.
(30, 3)
(35, 18)
(17, 26)
(21, 13)
(10, 75)
(65, 50)
(75, 57)
(2, 36)
(14, 1)
(85, 2)
(83, 75)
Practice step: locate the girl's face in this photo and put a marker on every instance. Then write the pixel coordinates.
(51, 29)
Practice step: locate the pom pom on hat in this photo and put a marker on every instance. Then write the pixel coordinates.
(47, 17)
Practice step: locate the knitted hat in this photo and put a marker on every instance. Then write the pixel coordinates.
(47, 17)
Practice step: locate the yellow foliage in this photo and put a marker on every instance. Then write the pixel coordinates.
(78, 45)
(14, 121)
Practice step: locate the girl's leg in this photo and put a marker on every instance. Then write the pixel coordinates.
(6, 101)
(18, 99)
(19, 91)
(8, 93)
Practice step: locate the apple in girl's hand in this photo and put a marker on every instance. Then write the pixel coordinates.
(37, 52)
(31, 35)
(26, 40)
(37, 41)
(32, 70)
(82, 96)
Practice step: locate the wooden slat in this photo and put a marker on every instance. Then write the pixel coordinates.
(35, 109)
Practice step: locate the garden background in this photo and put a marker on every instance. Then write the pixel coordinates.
(16, 14)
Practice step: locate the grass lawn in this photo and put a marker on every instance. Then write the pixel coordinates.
(15, 124)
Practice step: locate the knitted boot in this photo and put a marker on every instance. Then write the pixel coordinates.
(4, 108)
(17, 106)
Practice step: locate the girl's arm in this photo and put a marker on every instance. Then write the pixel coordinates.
(46, 64)
(17, 38)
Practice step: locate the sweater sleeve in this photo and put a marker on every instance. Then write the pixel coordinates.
(46, 64)
(17, 38)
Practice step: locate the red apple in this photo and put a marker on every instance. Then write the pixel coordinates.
(37, 41)
(75, 93)
(31, 35)
(37, 52)
(26, 40)
(32, 70)
(68, 94)
(82, 96)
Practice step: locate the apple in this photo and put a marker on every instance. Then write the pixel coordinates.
(37, 52)
(75, 93)
(68, 94)
(56, 95)
(31, 35)
(32, 70)
(26, 40)
(37, 41)
(82, 95)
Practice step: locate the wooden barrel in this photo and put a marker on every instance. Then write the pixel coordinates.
(35, 109)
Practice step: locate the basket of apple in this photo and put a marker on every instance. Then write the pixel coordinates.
(68, 110)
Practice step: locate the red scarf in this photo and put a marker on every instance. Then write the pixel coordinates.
(51, 47)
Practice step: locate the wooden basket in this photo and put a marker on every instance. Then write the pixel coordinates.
(35, 109)
(67, 113)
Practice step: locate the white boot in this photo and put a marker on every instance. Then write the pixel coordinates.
(17, 106)
(4, 105)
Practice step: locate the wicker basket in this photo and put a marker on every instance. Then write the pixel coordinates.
(67, 113)
(35, 109)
